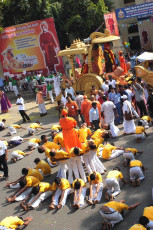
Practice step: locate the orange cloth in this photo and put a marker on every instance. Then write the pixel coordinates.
(72, 108)
(85, 107)
(123, 64)
(40, 99)
(69, 133)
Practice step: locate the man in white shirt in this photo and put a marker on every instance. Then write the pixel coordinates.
(70, 90)
(2, 127)
(105, 86)
(64, 97)
(79, 100)
(94, 116)
(3, 160)
(21, 107)
(130, 94)
(57, 84)
(107, 110)
(111, 82)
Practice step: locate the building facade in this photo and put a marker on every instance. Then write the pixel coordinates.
(137, 32)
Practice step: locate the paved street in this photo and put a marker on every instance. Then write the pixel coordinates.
(87, 218)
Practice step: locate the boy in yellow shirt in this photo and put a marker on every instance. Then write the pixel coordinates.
(110, 151)
(145, 221)
(129, 154)
(43, 167)
(13, 222)
(84, 132)
(96, 188)
(39, 193)
(18, 155)
(25, 172)
(145, 121)
(13, 129)
(58, 138)
(80, 190)
(61, 188)
(112, 183)
(140, 132)
(33, 143)
(136, 174)
(112, 213)
(25, 188)
(34, 127)
(62, 157)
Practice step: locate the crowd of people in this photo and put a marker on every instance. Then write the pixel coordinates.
(80, 146)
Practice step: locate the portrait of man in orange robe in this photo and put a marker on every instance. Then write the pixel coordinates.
(49, 47)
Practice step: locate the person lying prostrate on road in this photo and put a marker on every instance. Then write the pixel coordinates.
(13, 129)
(14, 222)
(18, 155)
(110, 152)
(33, 143)
(34, 127)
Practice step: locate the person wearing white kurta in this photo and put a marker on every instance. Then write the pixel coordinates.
(96, 188)
(107, 109)
(70, 90)
(129, 126)
(57, 84)
(80, 189)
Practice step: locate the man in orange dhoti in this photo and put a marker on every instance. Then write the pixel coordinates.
(85, 107)
(69, 133)
(122, 62)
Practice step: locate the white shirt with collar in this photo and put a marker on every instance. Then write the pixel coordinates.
(2, 148)
(93, 114)
(2, 124)
(21, 101)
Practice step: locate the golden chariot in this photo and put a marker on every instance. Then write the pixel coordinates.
(85, 82)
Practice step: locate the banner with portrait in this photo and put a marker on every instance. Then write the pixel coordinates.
(111, 23)
(30, 47)
(145, 39)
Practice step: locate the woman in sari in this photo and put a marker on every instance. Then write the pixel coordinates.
(5, 103)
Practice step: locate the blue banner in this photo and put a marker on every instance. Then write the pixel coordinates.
(141, 10)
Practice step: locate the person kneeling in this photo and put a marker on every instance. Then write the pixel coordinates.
(140, 133)
(112, 213)
(136, 174)
(79, 193)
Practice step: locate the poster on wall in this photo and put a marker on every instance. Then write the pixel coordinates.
(30, 47)
(145, 38)
(111, 23)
